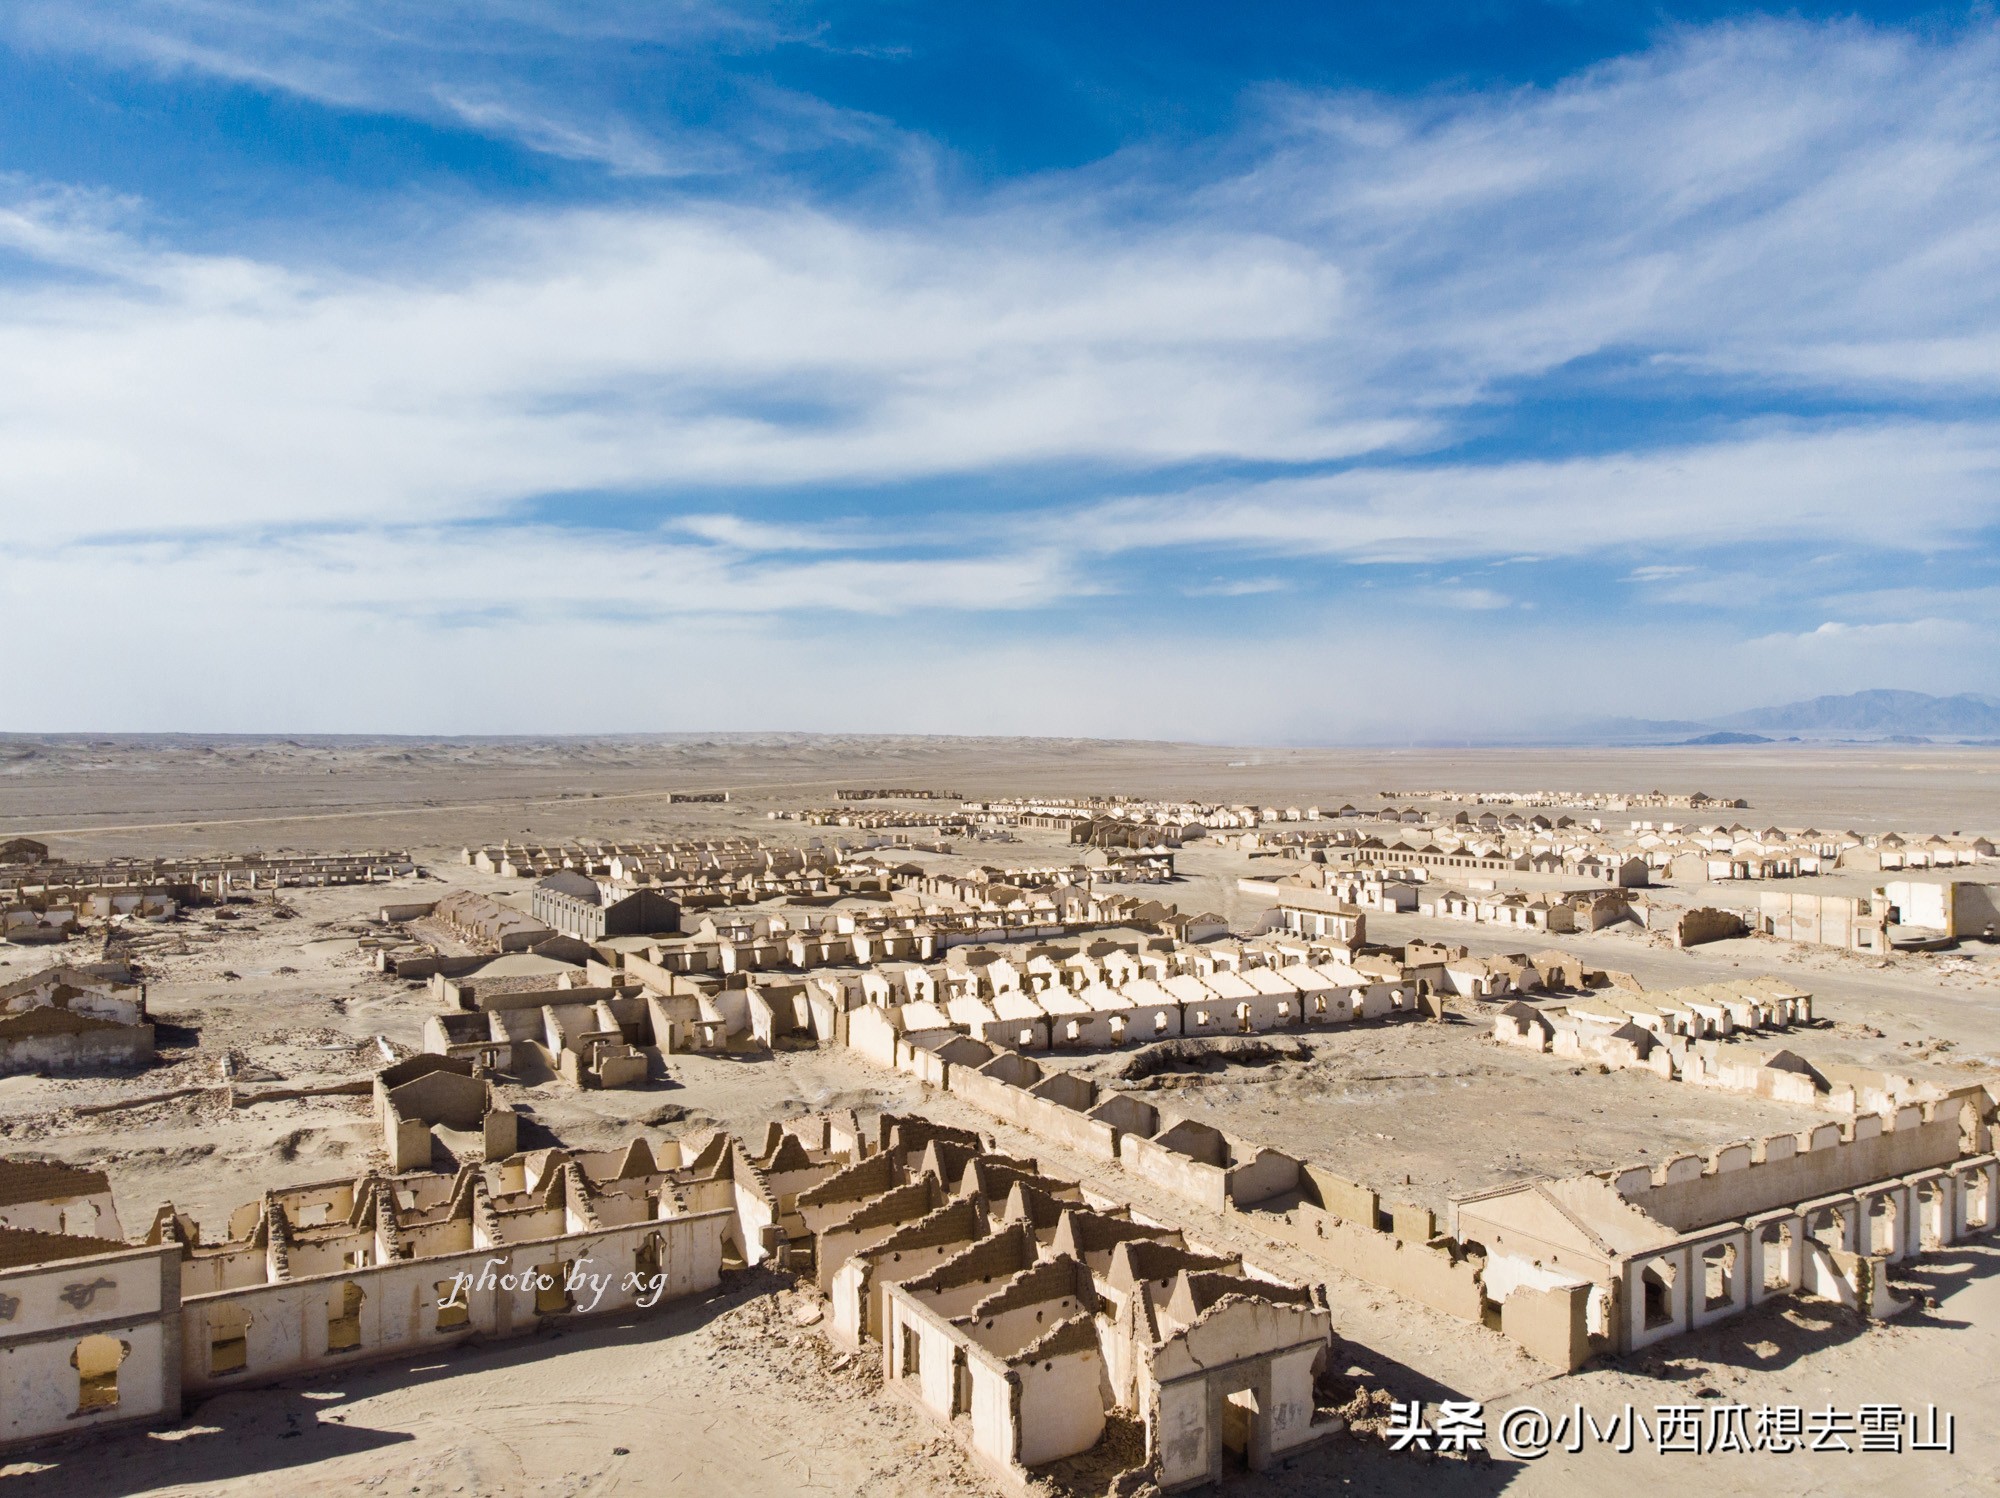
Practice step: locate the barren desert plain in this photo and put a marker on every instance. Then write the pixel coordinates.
(738, 1390)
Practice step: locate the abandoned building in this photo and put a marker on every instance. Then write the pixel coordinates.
(1646, 1253)
(1713, 1035)
(429, 1100)
(43, 1196)
(1040, 1314)
(106, 1332)
(75, 1019)
(481, 921)
(1922, 1159)
(153, 887)
(575, 905)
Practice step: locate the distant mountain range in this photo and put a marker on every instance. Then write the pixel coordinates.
(1879, 712)
(1880, 716)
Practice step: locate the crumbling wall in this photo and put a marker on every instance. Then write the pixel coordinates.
(870, 1032)
(1551, 1325)
(1976, 909)
(1067, 1091)
(1850, 922)
(1428, 1272)
(123, 1293)
(1265, 1175)
(985, 1088)
(1203, 1184)
(1927, 903)
(1060, 1408)
(72, 1045)
(1127, 1114)
(1736, 1181)
(1707, 924)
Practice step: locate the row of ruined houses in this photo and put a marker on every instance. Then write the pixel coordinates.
(597, 1022)
(1253, 1001)
(1024, 1314)
(1618, 1040)
(1028, 1316)
(1317, 900)
(46, 916)
(901, 933)
(873, 818)
(99, 1330)
(875, 928)
(206, 876)
(633, 862)
(604, 1034)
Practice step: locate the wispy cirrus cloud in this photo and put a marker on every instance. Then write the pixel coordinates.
(761, 537)
(1784, 202)
(1906, 485)
(525, 71)
(1240, 587)
(539, 575)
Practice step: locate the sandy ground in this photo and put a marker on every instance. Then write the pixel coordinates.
(731, 1395)
(723, 1394)
(172, 792)
(1427, 1112)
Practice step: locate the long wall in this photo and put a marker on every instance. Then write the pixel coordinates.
(291, 1323)
(1688, 1192)
(64, 1322)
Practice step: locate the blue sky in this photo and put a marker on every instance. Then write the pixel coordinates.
(1283, 373)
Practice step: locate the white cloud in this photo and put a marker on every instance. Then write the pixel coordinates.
(593, 351)
(1900, 486)
(291, 439)
(1458, 596)
(1894, 634)
(542, 576)
(1925, 654)
(1734, 199)
(373, 639)
(488, 629)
